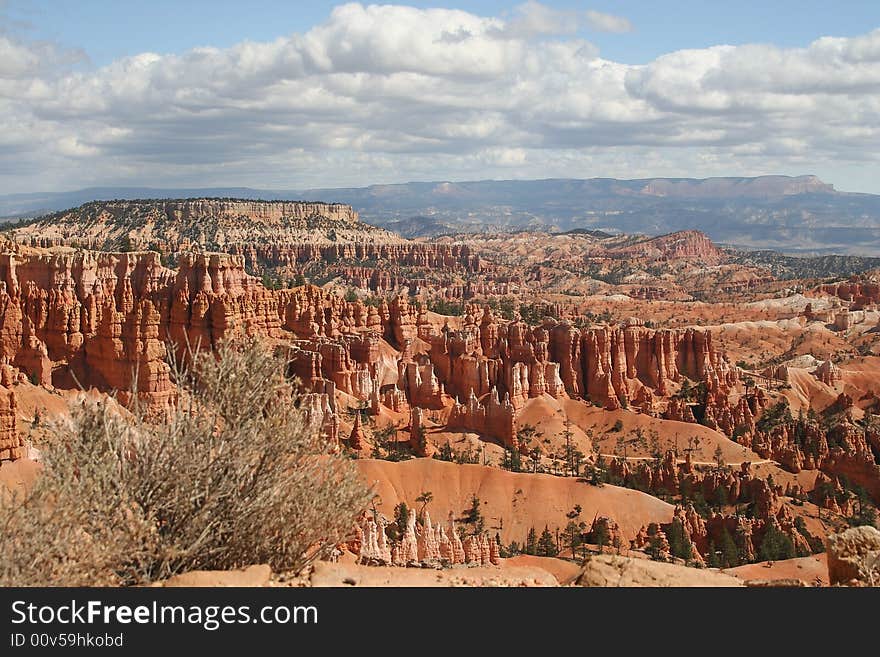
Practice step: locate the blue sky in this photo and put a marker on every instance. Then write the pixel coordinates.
(108, 29)
(323, 95)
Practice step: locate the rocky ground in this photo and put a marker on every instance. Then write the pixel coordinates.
(854, 562)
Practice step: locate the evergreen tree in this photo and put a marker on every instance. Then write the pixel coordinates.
(866, 514)
(776, 545)
(714, 560)
(474, 516)
(512, 460)
(424, 499)
(654, 547)
(679, 542)
(535, 454)
(446, 453)
(720, 497)
(531, 546)
(573, 537)
(546, 544)
(574, 530)
(401, 518)
(599, 473)
(729, 551)
(599, 535)
(525, 436)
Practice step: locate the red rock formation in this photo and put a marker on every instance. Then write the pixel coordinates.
(11, 444)
(391, 396)
(356, 439)
(609, 529)
(679, 410)
(495, 419)
(418, 439)
(420, 384)
(400, 327)
(721, 415)
(95, 313)
(428, 541)
(320, 412)
(103, 320)
(695, 527)
(843, 320)
(828, 373)
(740, 487)
(514, 362)
(860, 291)
(686, 244)
(372, 543)
(652, 538)
(275, 234)
(613, 358)
(33, 357)
(845, 449)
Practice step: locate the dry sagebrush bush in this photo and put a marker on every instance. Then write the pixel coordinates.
(235, 477)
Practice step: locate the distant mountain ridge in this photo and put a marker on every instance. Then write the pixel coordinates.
(762, 187)
(800, 214)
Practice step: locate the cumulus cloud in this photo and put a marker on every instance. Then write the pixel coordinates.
(386, 93)
(29, 60)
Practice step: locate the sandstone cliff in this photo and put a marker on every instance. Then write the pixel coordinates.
(268, 234)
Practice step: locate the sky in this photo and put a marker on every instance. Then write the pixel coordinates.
(297, 95)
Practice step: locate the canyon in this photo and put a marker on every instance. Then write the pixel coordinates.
(653, 381)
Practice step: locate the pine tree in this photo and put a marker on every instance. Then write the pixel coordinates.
(401, 518)
(654, 547)
(714, 561)
(776, 545)
(546, 544)
(599, 535)
(512, 460)
(424, 499)
(573, 536)
(720, 497)
(474, 516)
(866, 514)
(729, 551)
(679, 542)
(446, 453)
(531, 546)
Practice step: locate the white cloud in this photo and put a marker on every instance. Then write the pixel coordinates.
(386, 93)
(532, 18)
(23, 60)
(608, 22)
